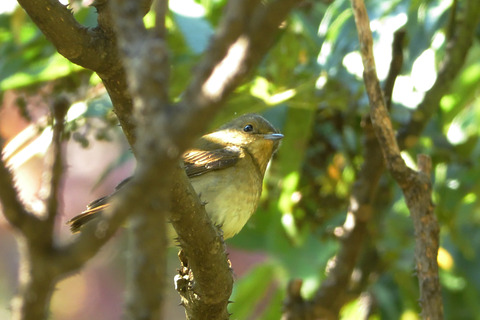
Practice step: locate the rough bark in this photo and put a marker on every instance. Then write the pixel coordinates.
(416, 186)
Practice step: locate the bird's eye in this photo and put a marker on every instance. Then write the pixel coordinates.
(248, 128)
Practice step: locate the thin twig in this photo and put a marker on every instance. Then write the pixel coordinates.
(245, 34)
(55, 159)
(161, 10)
(395, 65)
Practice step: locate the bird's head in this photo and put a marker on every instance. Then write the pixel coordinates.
(251, 132)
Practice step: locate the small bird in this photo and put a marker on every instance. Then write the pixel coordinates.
(226, 169)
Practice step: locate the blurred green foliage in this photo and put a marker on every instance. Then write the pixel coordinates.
(307, 86)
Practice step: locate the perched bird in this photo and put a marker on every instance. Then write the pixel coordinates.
(226, 169)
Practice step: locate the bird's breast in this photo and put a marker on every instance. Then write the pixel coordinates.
(231, 195)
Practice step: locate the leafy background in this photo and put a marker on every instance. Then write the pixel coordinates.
(310, 86)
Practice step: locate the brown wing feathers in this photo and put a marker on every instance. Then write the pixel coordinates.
(196, 162)
(76, 223)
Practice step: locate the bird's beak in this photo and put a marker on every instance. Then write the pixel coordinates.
(273, 136)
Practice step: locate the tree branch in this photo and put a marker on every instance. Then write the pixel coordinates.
(98, 232)
(38, 271)
(55, 160)
(94, 49)
(245, 34)
(142, 53)
(334, 292)
(416, 186)
(207, 288)
(161, 10)
(395, 65)
(145, 58)
(75, 42)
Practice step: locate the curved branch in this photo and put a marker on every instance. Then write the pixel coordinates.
(335, 291)
(74, 41)
(94, 49)
(245, 34)
(416, 186)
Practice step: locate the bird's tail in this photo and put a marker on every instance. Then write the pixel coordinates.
(94, 209)
(92, 212)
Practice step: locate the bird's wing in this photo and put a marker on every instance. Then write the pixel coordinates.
(77, 222)
(198, 162)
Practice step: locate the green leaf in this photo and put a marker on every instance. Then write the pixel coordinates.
(251, 289)
(190, 18)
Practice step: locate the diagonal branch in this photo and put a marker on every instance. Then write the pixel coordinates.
(245, 34)
(91, 48)
(335, 291)
(74, 41)
(416, 186)
(73, 255)
(395, 65)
